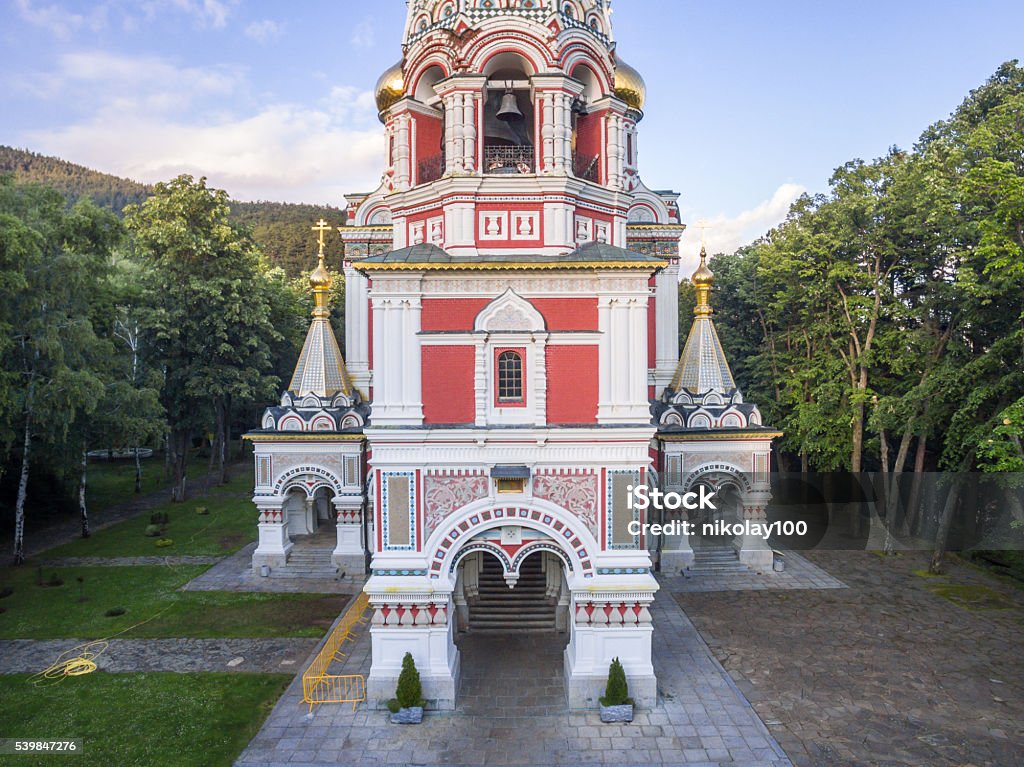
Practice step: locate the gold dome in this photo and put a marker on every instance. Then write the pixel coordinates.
(320, 278)
(390, 87)
(703, 277)
(629, 85)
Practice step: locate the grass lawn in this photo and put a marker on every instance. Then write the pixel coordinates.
(113, 482)
(230, 524)
(53, 612)
(144, 720)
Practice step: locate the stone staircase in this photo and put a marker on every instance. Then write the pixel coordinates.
(715, 557)
(309, 559)
(501, 610)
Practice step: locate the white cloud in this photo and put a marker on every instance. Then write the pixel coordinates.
(207, 13)
(725, 234)
(59, 20)
(363, 34)
(264, 31)
(146, 119)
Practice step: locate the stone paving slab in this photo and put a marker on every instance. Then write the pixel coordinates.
(280, 655)
(703, 720)
(234, 573)
(884, 672)
(800, 573)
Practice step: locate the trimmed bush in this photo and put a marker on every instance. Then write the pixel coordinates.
(394, 706)
(113, 612)
(202, 511)
(153, 531)
(617, 691)
(163, 543)
(410, 692)
(159, 518)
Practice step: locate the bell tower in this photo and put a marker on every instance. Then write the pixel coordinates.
(511, 314)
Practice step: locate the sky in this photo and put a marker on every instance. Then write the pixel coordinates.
(750, 104)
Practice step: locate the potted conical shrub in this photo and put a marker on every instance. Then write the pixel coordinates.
(616, 705)
(407, 705)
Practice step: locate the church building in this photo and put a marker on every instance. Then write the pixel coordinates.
(511, 361)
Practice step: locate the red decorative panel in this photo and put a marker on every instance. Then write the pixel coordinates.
(451, 313)
(572, 384)
(588, 144)
(448, 384)
(428, 145)
(568, 313)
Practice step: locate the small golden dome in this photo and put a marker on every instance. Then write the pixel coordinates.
(703, 277)
(390, 87)
(320, 278)
(629, 85)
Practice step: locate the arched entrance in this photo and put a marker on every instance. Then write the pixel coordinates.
(504, 626)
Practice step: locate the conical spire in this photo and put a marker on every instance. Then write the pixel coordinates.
(702, 366)
(321, 368)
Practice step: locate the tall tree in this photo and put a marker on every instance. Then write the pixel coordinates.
(208, 314)
(60, 258)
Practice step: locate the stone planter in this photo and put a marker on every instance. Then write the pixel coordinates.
(408, 715)
(778, 562)
(622, 713)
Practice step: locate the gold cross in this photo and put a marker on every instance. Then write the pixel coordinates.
(321, 227)
(703, 224)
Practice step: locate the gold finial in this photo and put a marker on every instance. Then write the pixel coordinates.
(702, 280)
(320, 278)
(703, 224)
(321, 227)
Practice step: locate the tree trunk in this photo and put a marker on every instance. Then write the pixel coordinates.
(914, 502)
(83, 509)
(946, 520)
(138, 472)
(221, 447)
(19, 508)
(178, 447)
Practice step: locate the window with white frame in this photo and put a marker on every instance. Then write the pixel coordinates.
(510, 378)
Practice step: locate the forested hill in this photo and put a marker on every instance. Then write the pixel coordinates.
(282, 229)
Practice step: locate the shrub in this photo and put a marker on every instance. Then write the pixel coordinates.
(617, 691)
(113, 612)
(394, 706)
(410, 692)
(202, 511)
(153, 531)
(5, 592)
(163, 543)
(159, 518)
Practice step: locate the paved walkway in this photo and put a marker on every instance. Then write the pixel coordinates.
(885, 672)
(799, 574)
(234, 573)
(702, 719)
(287, 655)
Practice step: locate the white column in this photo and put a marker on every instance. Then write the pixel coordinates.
(754, 551)
(469, 107)
(666, 313)
(274, 543)
(606, 362)
(548, 132)
(403, 152)
(357, 329)
(348, 555)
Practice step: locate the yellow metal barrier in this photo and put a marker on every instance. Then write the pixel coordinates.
(318, 686)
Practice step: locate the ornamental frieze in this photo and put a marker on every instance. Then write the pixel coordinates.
(576, 493)
(443, 494)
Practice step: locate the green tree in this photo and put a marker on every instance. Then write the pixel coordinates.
(59, 258)
(207, 306)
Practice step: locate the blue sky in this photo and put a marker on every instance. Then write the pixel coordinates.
(749, 103)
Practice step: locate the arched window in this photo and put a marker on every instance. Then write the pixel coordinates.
(510, 377)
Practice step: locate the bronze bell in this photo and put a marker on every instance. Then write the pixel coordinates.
(509, 110)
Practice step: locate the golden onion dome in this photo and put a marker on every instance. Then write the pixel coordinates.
(629, 85)
(703, 277)
(320, 278)
(390, 87)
